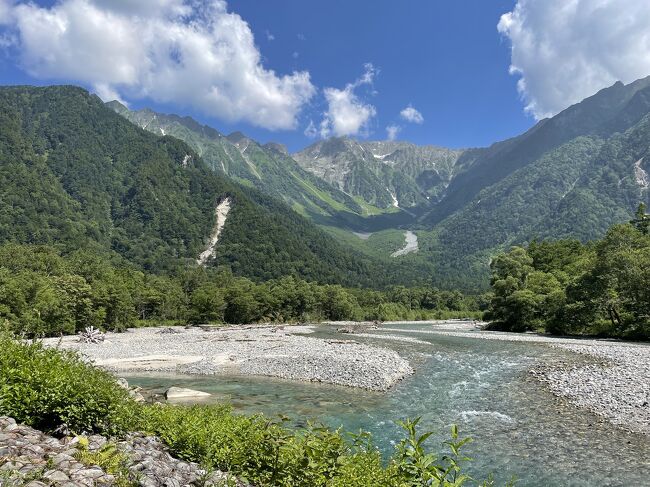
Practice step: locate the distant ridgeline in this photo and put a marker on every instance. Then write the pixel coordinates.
(570, 176)
(565, 287)
(74, 174)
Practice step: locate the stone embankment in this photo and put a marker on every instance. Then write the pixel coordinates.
(33, 459)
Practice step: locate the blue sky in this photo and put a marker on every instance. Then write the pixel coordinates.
(446, 58)
(272, 68)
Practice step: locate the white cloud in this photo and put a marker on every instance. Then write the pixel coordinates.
(311, 131)
(567, 50)
(392, 131)
(5, 11)
(190, 53)
(346, 113)
(410, 114)
(269, 36)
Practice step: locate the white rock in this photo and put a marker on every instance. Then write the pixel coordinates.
(181, 393)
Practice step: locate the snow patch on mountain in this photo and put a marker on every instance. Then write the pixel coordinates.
(393, 196)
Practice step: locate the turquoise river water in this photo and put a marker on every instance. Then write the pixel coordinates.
(518, 427)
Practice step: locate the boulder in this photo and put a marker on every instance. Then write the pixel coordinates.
(183, 393)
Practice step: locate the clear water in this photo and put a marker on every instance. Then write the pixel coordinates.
(518, 427)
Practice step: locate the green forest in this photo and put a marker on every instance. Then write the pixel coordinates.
(76, 175)
(43, 293)
(569, 288)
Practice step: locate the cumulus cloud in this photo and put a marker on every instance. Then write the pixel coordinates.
(392, 131)
(191, 53)
(346, 113)
(566, 50)
(410, 114)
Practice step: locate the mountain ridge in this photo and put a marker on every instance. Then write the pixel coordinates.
(76, 174)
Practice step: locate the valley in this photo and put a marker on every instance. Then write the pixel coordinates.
(466, 204)
(324, 244)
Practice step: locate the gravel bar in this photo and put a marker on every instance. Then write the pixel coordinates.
(614, 384)
(273, 351)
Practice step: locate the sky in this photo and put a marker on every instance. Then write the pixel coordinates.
(454, 73)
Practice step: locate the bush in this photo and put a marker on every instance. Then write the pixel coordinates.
(49, 388)
(267, 453)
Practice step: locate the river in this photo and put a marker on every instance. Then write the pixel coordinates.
(518, 427)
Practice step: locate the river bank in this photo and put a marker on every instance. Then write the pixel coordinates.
(614, 383)
(275, 351)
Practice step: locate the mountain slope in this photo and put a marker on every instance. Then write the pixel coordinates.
(76, 174)
(614, 109)
(575, 190)
(386, 174)
(268, 167)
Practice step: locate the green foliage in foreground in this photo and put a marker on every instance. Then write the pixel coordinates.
(565, 287)
(45, 293)
(48, 388)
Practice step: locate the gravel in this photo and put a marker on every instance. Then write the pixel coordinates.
(250, 350)
(614, 383)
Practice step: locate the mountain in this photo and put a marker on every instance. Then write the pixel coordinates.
(77, 175)
(386, 174)
(267, 167)
(571, 176)
(612, 110)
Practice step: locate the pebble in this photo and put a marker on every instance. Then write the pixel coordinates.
(614, 385)
(274, 351)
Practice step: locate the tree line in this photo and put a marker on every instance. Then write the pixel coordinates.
(566, 287)
(45, 292)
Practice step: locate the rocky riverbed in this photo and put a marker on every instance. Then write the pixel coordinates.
(276, 351)
(31, 458)
(614, 381)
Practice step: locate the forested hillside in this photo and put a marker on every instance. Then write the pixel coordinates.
(268, 167)
(75, 174)
(574, 190)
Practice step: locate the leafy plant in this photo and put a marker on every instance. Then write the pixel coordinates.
(53, 389)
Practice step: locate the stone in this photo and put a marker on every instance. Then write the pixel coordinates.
(183, 393)
(55, 476)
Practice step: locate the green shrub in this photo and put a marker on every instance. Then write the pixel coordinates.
(267, 453)
(49, 388)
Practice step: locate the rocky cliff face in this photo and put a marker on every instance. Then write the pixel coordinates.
(384, 173)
